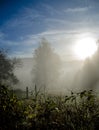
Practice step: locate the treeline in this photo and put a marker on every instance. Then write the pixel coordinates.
(78, 111)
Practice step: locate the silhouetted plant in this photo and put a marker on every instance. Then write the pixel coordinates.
(11, 112)
(7, 65)
(78, 111)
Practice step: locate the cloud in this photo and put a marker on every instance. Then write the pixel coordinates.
(75, 10)
(25, 18)
(56, 32)
(60, 32)
(49, 9)
(27, 44)
(35, 20)
(61, 40)
(22, 48)
(57, 22)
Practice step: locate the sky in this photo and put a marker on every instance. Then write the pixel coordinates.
(23, 23)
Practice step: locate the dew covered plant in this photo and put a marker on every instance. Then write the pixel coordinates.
(78, 111)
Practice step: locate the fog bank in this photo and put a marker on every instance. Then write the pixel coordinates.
(75, 75)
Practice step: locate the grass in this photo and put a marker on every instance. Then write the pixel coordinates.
(79, 111)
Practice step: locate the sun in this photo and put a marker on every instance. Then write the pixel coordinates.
(85, 48)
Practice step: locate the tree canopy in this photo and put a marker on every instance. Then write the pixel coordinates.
(7, 67)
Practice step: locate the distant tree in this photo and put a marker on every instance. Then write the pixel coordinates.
(7, 67)
(46, 66)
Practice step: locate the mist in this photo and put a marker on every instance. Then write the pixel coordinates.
(58, 75)
(88, 75)
(23, 73)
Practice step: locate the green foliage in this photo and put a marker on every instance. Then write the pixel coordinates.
(79, 111)
(7, 66)
(75, 112)
(11, 111)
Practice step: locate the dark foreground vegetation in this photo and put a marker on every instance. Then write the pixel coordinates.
(78, 111)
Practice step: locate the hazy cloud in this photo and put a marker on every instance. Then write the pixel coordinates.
(75, 10)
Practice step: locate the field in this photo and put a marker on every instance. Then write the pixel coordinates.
(78, 111)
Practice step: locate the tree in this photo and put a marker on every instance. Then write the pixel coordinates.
(7, 67)
(46, 66)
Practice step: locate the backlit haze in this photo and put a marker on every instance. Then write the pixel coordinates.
(70, 26)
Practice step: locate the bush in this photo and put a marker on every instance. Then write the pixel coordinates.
(11, 112)
(75, 112)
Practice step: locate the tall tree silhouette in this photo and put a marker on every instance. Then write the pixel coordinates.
(7, 66)
(46, 66)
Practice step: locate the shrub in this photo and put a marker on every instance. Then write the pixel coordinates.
(11, 111)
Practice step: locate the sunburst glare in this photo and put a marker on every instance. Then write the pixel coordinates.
(85, 48)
